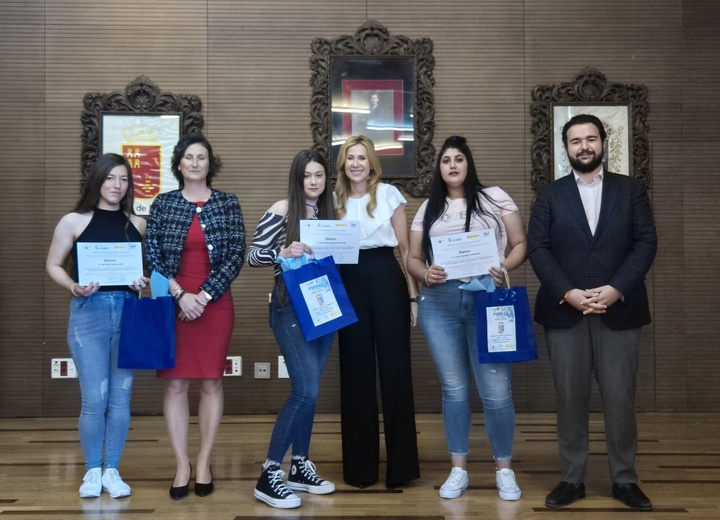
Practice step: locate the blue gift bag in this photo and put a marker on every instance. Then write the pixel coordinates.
(505, 332)
(319, 298)
(147, 333)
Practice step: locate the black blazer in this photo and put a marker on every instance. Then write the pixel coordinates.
(566, 255)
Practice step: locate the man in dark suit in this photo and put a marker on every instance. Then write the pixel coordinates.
(378, 114)
(591, 241)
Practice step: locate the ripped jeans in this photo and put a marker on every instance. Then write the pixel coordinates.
(94, 336)
(447, 317)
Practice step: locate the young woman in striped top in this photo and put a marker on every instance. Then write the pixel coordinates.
(278, 235)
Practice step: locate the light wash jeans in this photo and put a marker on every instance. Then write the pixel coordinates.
(447, 317)
(305, 363)
(94, 336)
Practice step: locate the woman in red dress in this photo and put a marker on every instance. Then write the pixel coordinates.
(196, 239)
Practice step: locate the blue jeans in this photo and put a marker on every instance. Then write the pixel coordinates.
(305, 363)
(94, 336)
(447, 317)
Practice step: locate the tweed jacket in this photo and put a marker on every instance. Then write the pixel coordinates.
(222, 223)
(566, 255)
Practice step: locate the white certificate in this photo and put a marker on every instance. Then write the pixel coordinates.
(466, 255)
(109, 263)
(320, 300)
(337, 238)
(501, 329)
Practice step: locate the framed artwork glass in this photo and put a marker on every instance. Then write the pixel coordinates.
(380, 86)
(147, 142)
(375, 98)
(143, 124)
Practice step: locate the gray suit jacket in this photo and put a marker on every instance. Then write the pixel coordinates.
(566, 255)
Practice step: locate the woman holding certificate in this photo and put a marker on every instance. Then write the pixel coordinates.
(277, 238)
(103, 214)
(196, 239)
(385, 304)
(459, 203)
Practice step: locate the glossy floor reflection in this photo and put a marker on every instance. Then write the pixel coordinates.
(41, 468)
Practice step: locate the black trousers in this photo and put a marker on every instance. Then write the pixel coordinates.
(378, 342)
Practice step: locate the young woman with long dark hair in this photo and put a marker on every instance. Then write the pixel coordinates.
(278, 235)
(459, 203)
(102, 214)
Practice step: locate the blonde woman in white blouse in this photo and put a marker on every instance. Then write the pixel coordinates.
(386, 304)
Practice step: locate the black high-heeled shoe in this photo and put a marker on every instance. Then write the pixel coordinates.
(203, 490)
(180, 492)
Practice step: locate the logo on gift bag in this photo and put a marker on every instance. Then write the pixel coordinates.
(502, 319)
(320, 300)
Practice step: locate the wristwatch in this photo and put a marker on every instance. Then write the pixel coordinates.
(207, 296)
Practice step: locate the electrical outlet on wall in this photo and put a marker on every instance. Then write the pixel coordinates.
(62, 368)
(262, 370)
(233, 366)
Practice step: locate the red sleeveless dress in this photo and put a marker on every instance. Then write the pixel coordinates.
(201, 345)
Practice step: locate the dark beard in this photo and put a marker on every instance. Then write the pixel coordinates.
(582, 167)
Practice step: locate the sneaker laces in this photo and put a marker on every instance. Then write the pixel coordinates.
(307, 468)
(456, 477)
(276, 482)
(93, 477)
(113, 476)
(507, 479)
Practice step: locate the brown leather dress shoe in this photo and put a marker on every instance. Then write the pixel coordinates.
(631, 496)
(565, 494)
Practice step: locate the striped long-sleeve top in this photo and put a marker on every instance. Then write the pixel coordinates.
(269, 239)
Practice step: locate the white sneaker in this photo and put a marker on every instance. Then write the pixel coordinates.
(114, 485)
(91, 486)
(455, 484)
(506, 484)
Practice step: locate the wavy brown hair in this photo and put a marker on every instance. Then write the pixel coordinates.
(343, 188)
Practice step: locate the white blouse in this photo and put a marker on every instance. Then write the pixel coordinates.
(376, 231)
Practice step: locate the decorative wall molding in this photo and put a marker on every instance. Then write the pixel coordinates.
(590, 87)
(141, 96)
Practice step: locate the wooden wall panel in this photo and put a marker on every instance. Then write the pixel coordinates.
(258, 114)
(22, 147)
(697, 352)
(248, 61)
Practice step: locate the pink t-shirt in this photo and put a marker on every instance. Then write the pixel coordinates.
(452, 221)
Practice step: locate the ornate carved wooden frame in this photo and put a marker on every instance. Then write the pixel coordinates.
(140, 96)
(589, 87)
(372, 39)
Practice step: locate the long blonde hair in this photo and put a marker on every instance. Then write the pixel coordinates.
(343, 188)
